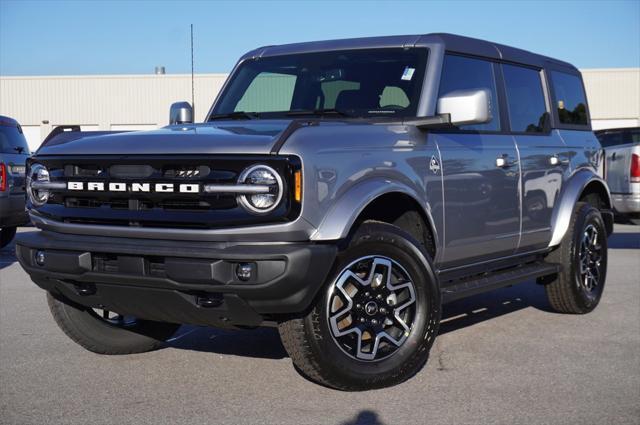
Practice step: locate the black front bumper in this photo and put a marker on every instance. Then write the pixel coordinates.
(179, 282)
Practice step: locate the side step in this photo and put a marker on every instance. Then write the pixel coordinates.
(457, 289)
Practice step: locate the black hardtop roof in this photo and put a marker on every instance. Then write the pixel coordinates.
(451, 42)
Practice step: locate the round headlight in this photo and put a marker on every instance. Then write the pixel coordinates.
(263, 176)
(37, 173)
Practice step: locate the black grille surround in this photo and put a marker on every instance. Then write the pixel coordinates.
(162, 210)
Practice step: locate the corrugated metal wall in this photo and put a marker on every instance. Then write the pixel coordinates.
(142, 101)
(102, 102)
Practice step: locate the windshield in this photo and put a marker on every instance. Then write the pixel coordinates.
(12, 140)
(354, 83)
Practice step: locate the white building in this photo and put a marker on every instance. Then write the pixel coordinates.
(141, 102)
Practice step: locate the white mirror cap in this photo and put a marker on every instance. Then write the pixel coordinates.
(467, 106)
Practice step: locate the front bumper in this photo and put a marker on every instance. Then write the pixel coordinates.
(626, 203)
(179, 282)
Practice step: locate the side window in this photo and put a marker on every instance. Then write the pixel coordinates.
(525, 99)
(460, 73)
(268, 92)
(570, 98)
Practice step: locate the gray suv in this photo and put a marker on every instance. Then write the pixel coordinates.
(342, 191)
(14, 152)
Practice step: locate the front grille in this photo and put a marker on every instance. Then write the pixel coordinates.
(155, 209)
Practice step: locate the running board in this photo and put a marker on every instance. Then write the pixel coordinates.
(457, 289)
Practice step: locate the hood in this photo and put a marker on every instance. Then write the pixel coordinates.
(223, 137)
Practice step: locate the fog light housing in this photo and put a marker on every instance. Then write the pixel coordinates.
(244, 271)
(40, 257)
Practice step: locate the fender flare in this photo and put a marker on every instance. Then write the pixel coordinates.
(340, 219)
(571, 192)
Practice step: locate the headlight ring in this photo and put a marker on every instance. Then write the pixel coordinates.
(37, 173)
(261, 175)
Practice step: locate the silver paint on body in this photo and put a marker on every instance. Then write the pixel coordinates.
(492, 195)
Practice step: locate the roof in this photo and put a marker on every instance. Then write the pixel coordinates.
(450, 42)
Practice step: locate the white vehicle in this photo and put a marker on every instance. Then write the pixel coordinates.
(622, 169)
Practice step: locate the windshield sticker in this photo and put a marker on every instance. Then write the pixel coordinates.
(407, 75)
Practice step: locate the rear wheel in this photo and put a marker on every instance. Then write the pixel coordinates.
(583, 255)
(6, 235)
(106, 332)
(377, 318)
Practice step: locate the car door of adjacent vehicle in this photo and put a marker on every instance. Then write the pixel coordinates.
(543, 157)
(480, 175)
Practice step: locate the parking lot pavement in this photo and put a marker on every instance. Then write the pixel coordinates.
(501, 357)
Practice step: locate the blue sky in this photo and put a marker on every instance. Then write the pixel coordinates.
(119, 37)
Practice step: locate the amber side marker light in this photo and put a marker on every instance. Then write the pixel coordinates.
(297, 194)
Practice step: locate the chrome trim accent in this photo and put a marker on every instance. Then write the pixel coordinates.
(236, 188)
(242, 199)
(48, 185)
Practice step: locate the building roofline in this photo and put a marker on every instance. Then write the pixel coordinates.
(108, 76)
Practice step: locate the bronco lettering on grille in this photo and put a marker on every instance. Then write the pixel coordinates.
(133, 187)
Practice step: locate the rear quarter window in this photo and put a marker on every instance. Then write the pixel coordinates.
(570, 99)
(12, 140)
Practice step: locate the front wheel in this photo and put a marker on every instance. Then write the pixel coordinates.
(375, 322)
(106, 332)
(583, 254)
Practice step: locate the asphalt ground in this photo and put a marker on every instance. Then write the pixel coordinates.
(501, 357)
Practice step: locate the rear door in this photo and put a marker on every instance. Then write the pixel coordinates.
(543, 159)
(482, 211)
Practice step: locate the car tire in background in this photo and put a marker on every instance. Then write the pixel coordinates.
(108, 333)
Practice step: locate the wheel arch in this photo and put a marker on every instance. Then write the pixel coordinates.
(583, 186)
(381, 201)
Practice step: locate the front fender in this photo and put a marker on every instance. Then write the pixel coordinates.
(571, 193)
(339, 220)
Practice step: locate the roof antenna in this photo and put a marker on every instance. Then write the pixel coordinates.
(193, 101)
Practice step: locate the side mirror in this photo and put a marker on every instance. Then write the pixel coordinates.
(466, 106)
(180, 113)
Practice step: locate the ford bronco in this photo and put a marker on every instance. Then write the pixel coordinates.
(342, 191)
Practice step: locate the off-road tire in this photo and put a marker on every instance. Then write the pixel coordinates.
(564, 290)
(309, 341)
(6, 235)
(88, 330)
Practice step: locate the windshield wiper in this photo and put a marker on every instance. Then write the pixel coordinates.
(237, 115)
(330, 111)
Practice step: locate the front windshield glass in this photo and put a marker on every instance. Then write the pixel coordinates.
(353, 83)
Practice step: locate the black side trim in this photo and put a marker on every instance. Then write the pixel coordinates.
(288, 131)
(473, 286)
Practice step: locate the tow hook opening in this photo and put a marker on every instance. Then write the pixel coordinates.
(209, 300)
